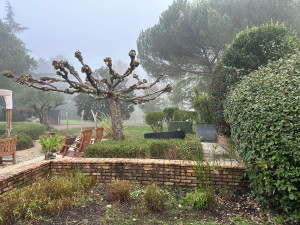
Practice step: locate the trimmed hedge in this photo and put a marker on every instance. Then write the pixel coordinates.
(169, 113)
(263, 112)
(250, 49)
(24, 141)
(184, 115)
(145, 148)
(155, 120)
(34, 130)
(256, 46)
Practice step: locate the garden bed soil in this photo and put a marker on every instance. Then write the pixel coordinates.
(233, 207)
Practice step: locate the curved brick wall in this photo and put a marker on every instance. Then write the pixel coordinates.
(166, 172)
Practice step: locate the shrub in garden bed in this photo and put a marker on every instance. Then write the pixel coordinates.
(34, 130)
(23, 142)
(263, 112)
(145, 148)
(155, 120)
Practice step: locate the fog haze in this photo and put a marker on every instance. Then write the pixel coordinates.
(97, 28)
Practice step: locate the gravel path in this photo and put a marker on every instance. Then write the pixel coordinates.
(25, 155)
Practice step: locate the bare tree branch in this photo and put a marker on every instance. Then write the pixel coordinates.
(91, 85)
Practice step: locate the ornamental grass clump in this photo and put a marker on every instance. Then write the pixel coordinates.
(154, 198)
(263, 112)
(119, 191)
(45, 197)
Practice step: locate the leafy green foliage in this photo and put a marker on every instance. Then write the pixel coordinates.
(34, 130)
(13, 53)
(145, 148)
(222, 79)
(119, 191)
(197, 199)
(201, 103)
(46, 197)
(184, 115)
(154, 198)
(24, 141)
(155, 120)
(263, 112)
(41, 102)
(169, 113)
(256, 46)
(51, 144)
(252, 48)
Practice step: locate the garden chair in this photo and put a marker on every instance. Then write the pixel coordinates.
(77, 151)
(8, 147)
(98, 136)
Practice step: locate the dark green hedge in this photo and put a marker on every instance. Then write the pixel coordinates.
(155, 120)
(263, 112)
(184, 115)
(145, 148)
(256, 46)
(24, 141)
(34, 130)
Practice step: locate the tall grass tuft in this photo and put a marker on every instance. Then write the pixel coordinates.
(119, 191)
(46, 197)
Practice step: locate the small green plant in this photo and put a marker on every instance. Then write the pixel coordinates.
(119, 191)
(197, 199)
(51, 144)
(154, 198)
(155, 120)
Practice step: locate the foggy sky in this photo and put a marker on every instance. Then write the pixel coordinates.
(97, 28)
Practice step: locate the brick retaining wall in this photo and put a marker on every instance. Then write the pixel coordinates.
(166, 172)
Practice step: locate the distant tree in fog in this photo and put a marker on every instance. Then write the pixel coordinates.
(10, 21)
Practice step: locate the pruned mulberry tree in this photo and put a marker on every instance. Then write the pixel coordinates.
(91, 86)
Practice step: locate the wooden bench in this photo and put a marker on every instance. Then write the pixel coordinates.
(8, 147)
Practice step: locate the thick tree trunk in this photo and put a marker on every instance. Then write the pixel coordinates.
(116, 118)
(43, 115)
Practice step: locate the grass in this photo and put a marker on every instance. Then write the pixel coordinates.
(45, 197)
(76, 122)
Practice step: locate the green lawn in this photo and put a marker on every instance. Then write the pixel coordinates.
(76, 122)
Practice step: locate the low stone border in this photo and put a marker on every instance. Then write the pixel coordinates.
(166, 172)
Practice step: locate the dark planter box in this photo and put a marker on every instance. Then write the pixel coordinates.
(181, 125)
(206, 132)
(166, 135)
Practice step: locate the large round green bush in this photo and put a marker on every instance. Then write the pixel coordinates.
(263, 112)
(250, 49)
(155, 120)
(256, 46)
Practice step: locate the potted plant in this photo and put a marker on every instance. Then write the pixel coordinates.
(51, 145)
(205, 130)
